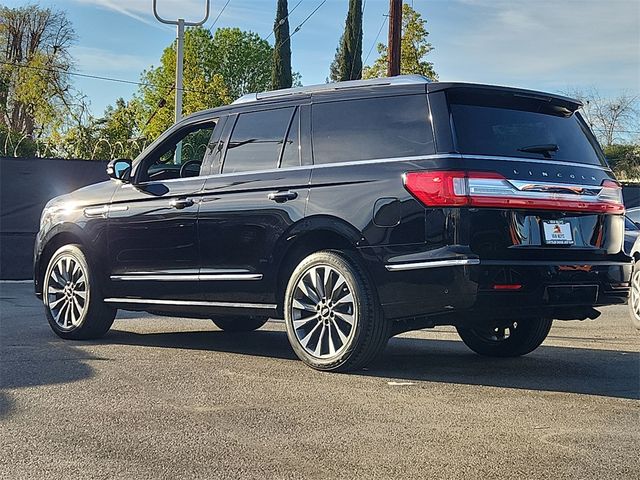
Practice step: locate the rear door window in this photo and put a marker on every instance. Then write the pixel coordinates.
(373, 128)
(256, 141)
(291, 149)
(509, 125)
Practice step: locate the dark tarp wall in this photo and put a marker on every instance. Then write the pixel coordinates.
(26, 185)
(631, 194)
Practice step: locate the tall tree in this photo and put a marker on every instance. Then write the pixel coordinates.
(415, 48)
(614, 120)
(281, 76)
(217, 70)
(347, 64)
(34, 84)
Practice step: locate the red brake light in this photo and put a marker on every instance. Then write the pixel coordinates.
(443, 188)
(491, 190)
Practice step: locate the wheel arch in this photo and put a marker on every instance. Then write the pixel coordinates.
(306, 237)
(61, 235)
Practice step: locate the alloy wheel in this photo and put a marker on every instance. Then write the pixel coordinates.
(67, 292)
(324, 311)
(499, 333)
(635, 294)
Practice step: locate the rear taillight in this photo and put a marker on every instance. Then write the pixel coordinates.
(492, 190)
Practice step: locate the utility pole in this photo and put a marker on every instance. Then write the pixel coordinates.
(180, 24)
(395, 37)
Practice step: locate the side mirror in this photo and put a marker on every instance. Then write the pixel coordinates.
(119, 169)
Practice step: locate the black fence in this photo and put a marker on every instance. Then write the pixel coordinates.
(26, 185)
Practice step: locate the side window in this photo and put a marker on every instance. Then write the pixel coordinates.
(180, 156)
(376, 128)
(291, 149)
(256, 140)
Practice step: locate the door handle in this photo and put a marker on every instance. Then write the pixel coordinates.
(181, 203)
(282, 197)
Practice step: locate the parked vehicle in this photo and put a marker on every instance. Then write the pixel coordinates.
(632, 248)
(356, 211)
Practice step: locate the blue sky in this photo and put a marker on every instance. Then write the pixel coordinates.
(548, 45)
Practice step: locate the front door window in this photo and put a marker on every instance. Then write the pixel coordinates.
(180, 156)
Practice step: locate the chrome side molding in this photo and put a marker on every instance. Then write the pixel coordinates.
(190, 303)
(103, 210)
(195, 277)
(398, 267)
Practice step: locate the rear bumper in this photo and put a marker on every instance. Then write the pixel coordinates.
(418, 288)
(551, 284)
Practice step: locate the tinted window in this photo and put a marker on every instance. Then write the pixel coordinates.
(634, 214)
(188, 145)
(291, 152)
(369, 129)
(629, 225)
(508, 125)
(256, 141)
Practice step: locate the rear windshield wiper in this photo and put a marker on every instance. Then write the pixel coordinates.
(543, 149)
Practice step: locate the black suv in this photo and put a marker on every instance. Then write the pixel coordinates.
(354, 210)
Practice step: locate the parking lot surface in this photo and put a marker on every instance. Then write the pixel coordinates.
(177, 398)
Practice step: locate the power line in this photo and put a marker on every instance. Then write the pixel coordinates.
(219, 14)
(384, 22)
(296, 30)
(91, 76)
(282, 21)
(308, 17)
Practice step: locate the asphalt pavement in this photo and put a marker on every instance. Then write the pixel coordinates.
(162, 397)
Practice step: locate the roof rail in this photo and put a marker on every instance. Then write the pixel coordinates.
(328, 87)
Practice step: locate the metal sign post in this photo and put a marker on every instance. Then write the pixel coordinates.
(180, 23)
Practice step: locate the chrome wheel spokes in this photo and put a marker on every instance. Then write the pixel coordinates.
(635, 294)
(67, 292)
(323, 311)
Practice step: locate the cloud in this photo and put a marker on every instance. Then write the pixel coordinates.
(547, 42)
(98, 60)
(141, 10)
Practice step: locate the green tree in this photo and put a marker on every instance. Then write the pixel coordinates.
(34, 84)
(281, 76)
(415, 48)
(624, 160)
(115, 135)
(217, 69)
(347, 64)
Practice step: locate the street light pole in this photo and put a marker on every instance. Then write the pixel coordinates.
(179, 67)
(180, 23)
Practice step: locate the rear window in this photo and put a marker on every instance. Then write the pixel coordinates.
(256, 141)
(375, 128)
(514, 126)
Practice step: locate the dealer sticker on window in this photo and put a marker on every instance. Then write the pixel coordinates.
(557, 232)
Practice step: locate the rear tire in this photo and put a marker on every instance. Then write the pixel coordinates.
(634, 296)
(73, 298)
(236, 323)
(333, 318)
(519, 338)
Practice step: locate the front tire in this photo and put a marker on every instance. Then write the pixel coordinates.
(634, 296)
(231, 323)
(506, 340)
(333, 318)
(72, 298)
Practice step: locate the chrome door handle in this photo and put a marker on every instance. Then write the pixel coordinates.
(281, 197)
(181, 203)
